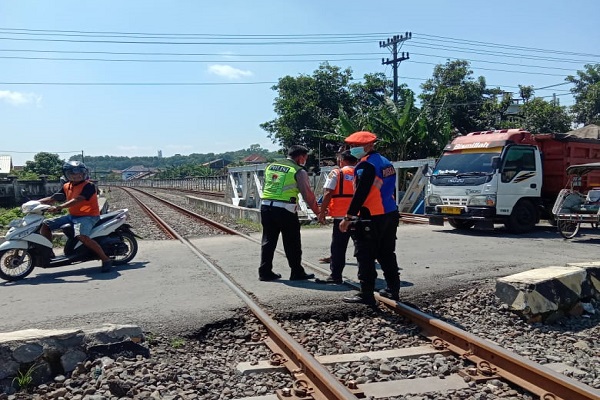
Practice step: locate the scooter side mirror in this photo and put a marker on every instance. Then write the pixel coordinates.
(58, 197)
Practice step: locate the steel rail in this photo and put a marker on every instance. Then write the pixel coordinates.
(322, 384)
(492, 360)
(311, 377)
(413, 218)
(192, 214)
(165, 228)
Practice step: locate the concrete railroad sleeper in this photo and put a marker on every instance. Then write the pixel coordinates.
(491, 361)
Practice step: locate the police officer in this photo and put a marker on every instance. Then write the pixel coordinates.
(278, 212)
(373, 201)
(338, 191)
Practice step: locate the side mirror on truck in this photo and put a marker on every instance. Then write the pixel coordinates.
(495, 162)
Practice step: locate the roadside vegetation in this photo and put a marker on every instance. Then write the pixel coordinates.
(321, 109)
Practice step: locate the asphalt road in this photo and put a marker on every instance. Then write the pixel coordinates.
(167, 288)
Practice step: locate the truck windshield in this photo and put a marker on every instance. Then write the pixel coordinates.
(465, 163)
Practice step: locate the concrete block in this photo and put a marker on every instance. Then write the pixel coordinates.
(544, 290)
(593, 274)
(62, 347)
(230, 210)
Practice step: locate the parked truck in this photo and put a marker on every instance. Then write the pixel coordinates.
(504, 176)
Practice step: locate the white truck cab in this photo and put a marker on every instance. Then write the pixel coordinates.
(485, 178)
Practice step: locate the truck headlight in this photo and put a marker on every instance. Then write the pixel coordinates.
(482, 200)
(434, 200)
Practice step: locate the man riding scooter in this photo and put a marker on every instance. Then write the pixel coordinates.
(84, 212)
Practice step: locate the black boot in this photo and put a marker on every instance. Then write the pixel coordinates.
(365, 296)
(390, 293)
(362, 298)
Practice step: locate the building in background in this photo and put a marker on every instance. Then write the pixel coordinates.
(5, 165)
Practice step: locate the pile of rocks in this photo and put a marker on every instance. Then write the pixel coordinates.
(33, 357)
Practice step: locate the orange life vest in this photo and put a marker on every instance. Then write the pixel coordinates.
(382, 196)
(85, 208)
(343, 192)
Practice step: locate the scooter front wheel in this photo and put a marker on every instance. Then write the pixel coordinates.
(15, 264)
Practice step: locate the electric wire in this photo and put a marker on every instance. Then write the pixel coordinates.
(296, 55)
(488, 44)
(273, 39)
(422, 36)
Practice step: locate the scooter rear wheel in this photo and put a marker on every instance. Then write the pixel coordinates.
(15, 264)
(132, 247)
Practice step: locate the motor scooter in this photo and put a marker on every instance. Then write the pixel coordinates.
(25, 248)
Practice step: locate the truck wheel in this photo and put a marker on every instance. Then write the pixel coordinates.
(460, 223)
(523, 218)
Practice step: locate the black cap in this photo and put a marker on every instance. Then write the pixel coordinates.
(297, 150)
(347, 156)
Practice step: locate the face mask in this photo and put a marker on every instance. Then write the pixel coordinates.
(357, 152)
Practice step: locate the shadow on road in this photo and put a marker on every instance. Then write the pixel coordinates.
(54, 275)
(539, 232)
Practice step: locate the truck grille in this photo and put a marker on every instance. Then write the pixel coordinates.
(455, 201)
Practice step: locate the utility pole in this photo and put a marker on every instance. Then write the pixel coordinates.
(395, 61)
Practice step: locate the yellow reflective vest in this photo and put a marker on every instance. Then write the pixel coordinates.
(280, 181)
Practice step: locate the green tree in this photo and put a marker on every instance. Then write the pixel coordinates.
(399, 128)
(526, 92)
(45, 164)
(306, 104)
(541, 116)
(452, 94)
(587, 94)
(371, 92)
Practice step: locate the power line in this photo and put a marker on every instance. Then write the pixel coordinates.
(207, 83)
(278, 43)
(498, 70)
(374, 35)
(557, 84)
(490, 62)
(262, 61)
(501, 54)
(44, 151)
(264, 55)
(247, 55)
(189, 54)
(487, 44)
(138, 83)
(218, 35)
(179, 60)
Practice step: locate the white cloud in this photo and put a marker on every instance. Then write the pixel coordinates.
(19, 98)
(229, 55)
(227, 71)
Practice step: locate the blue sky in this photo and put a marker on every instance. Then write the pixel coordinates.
(216, 103)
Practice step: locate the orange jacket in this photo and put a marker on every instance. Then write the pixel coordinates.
(85, 208)
(344, 190)
(381, 198)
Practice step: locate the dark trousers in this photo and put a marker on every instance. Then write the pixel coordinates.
(339, 245)
(378, 242)
(276, 220)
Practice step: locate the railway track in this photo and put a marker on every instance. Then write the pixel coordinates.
(408, 218)
(481, 360)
